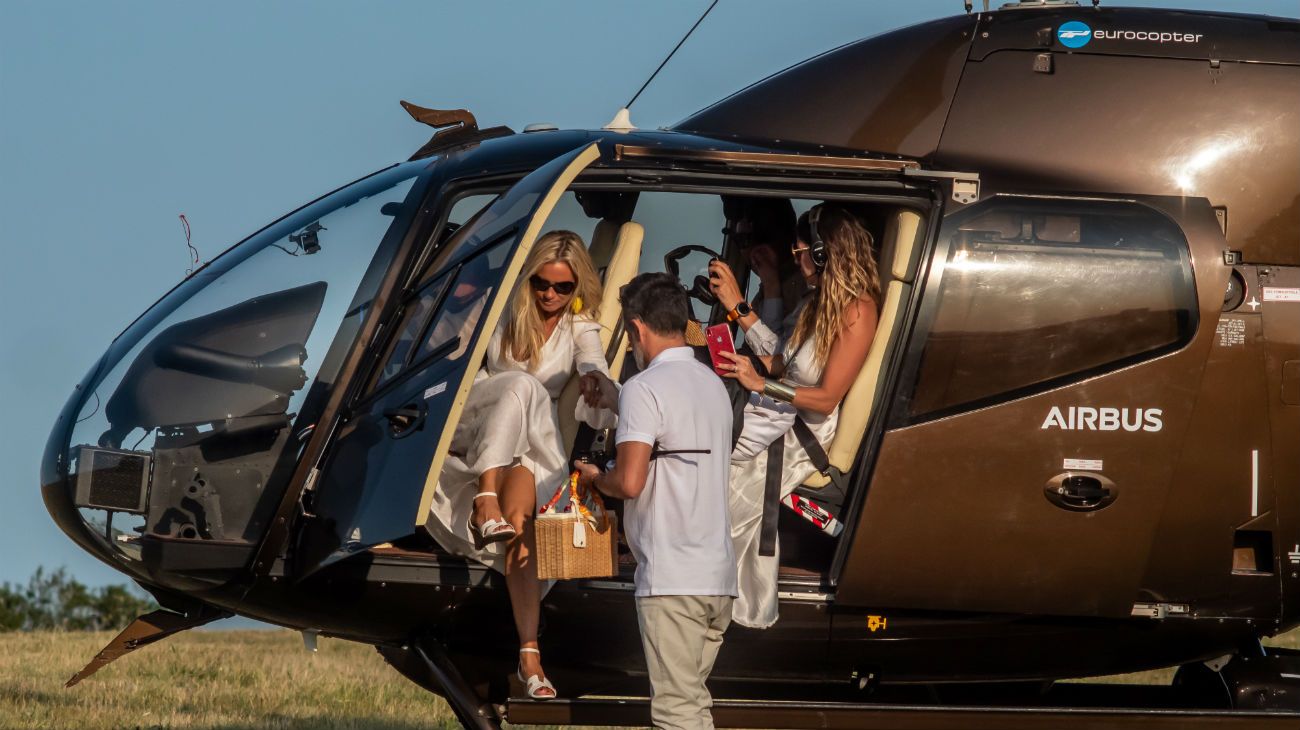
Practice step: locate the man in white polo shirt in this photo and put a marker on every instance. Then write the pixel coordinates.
(676, 500)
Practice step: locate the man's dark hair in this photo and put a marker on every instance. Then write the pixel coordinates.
(659, 301)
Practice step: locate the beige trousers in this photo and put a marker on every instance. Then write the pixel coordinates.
(681, 636)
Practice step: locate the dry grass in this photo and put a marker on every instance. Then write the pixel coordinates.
(235, 680)
(228, 680)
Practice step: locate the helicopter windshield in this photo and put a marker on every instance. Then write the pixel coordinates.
(217, 386)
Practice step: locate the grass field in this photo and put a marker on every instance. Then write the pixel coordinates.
(232, 680)
(214, 680)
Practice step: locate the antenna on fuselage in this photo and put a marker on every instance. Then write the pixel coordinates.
(194, 252)
(622, 121)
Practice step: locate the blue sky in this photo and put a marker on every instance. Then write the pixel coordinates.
(115, 118)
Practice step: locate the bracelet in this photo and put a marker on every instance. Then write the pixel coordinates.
(776, 390)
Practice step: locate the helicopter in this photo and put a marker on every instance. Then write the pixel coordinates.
(1074, 449)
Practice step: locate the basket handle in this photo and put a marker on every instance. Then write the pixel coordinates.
(576, 496)
(571, 484)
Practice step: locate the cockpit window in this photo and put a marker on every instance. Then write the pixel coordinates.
(1035, 294)
(221, 381)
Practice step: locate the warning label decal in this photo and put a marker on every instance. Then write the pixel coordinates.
(1281, 294)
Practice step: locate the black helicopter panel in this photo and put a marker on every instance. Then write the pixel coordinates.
(901, 83)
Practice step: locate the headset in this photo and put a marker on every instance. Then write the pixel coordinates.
(816, 247)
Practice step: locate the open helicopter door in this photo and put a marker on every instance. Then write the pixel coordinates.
(1033, 456)
(377, 484)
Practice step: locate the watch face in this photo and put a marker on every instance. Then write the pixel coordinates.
(743, 309)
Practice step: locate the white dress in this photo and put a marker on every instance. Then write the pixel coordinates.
(765, 421)
(511, 419)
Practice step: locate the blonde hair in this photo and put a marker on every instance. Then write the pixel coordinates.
(850, 274)
(523, 334)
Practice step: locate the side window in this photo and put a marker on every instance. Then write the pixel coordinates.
(1034, 294)
(414, 317)
(468, 207)
(447, 243)
(452, 328)
(438, 322)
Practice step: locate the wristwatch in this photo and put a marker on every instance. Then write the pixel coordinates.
(741, 310)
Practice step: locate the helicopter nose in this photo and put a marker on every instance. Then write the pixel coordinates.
(58, 484)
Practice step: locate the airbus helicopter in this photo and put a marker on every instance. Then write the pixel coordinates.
(1074, 449)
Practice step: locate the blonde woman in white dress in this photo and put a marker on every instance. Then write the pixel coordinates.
(810, 372)
(506, 453)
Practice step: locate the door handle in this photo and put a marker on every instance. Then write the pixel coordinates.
(405, 420)
(1078, 492)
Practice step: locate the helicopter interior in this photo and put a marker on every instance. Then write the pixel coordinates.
(632, 232)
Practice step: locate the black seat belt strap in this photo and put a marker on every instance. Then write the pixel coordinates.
(772, 487)
(771, 498)
(816, 454)
(813, 447)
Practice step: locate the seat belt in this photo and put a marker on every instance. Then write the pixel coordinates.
(804, 501)
(821, 462)
(801, 503)
(771, 498)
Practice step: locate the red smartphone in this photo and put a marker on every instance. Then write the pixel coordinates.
(719, 340)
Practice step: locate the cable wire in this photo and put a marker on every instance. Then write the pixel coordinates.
(670, 54)
(96, 394)
(194, 252)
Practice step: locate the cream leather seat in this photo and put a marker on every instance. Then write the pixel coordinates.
(604, 242)
(899, 248)
(616, 248)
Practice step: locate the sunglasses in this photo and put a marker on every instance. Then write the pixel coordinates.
(796, 250)
(563, 288)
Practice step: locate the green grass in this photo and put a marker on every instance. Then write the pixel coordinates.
(236, 680)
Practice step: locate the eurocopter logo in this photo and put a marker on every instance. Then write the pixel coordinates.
(1085, 418)
(1074, 34)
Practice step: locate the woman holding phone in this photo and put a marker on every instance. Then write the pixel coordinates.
(507, 443)
(810, 372)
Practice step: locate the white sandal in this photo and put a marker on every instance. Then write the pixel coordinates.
(492, 530)
(535, 684)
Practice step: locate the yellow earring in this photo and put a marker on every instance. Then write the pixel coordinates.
(577, 305)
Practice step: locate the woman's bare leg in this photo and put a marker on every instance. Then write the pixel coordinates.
(489, 508)
(519, 503)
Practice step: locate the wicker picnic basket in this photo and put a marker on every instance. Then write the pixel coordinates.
(580, 541)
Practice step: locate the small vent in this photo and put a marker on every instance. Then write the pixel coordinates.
(114, 480)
